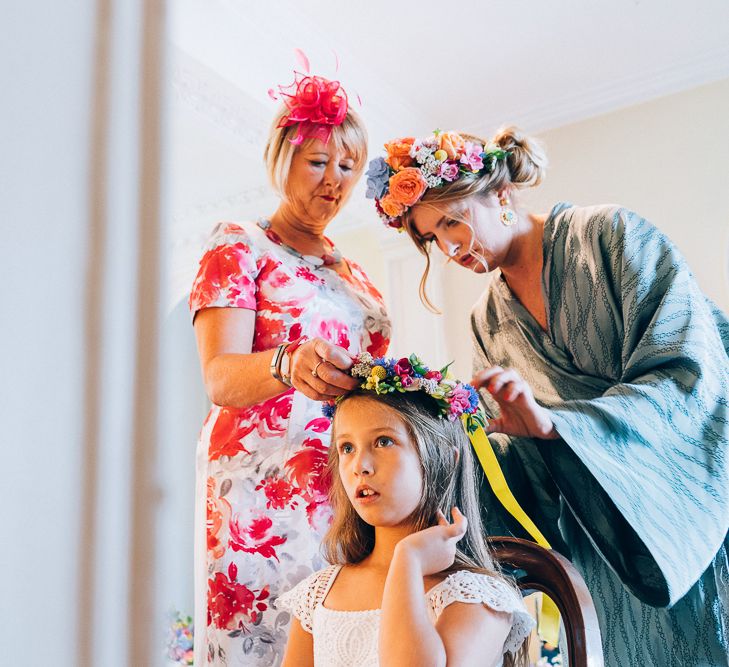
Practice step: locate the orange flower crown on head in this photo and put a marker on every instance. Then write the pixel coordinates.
(400, 180)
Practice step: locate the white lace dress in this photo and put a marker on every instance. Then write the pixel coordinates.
(349, 638)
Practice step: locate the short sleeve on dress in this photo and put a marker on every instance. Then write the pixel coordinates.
(228, 271)
(475, 588)
(303, 598)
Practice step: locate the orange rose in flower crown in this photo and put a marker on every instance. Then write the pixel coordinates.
(452, 143)
(391, 207)
(407, 186)
(398, 153)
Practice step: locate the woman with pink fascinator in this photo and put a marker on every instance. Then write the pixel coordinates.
(278, 314)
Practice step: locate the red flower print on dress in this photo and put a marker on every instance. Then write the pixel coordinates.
(218, 516)
(230, 604)
(319, 425)
(307, 469)
(307, 274)
(268, 333)
(273, 273)
(269, 419)
(253, 533)
(332, 330)
(378, 344)
(224, 273)
(226, 435)
(231, 228)
(295, 332)
(279, 492)
(291, 308)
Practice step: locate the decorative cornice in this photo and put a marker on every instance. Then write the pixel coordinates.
(221, 102)
(589, 102)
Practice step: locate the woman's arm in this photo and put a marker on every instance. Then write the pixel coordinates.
(300, 647)
(236, 377)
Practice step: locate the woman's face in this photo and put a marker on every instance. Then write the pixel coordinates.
(320, 180)
(379, 465)
(480, 244)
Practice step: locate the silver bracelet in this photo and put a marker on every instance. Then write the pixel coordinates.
(275, 366)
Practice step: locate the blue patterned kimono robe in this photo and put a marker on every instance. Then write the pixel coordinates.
(634, 368)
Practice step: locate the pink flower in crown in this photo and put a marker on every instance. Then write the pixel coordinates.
(448, 171)
(460, 401)
(472, 156)
(406, 381)
(403, 368)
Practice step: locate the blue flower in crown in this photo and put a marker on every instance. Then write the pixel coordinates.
(328, 409)
(378, 177)
(384, 375)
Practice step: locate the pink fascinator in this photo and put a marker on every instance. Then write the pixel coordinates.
(315, 103)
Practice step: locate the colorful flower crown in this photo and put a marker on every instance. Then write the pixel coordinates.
(400, 180)
(315, 103)
(385, 376)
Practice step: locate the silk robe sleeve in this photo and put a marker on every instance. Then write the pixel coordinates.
(645, 467)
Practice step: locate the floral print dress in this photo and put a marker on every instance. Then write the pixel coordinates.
(261, 498)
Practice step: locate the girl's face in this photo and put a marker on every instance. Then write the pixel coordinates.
(320, 180)
(379, 464)
(480, 244)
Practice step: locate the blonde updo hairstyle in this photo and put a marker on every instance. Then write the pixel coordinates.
(524, 167)
(351, 136)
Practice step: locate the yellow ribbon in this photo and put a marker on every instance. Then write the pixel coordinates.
(548, 616)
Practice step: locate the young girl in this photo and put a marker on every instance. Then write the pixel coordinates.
(406, 586)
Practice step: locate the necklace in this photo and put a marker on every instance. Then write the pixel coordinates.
(327, 259)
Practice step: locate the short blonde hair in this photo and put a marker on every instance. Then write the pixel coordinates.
(351, 136)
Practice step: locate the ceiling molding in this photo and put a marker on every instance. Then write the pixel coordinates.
(589, 102)
(222, 103)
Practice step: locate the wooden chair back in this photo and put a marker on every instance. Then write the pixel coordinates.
(545, 570)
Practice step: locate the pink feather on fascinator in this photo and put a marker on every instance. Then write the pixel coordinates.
(315, 103)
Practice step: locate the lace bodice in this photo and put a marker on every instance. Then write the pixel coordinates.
(347, 638)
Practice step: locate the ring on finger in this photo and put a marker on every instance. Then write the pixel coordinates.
(313, 372)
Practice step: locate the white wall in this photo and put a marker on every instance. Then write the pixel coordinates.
(43, 209)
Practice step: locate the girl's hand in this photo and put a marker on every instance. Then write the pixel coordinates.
(520, 413)
(329, 361)
(434, 549)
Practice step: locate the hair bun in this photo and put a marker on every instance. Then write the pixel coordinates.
(527, 161)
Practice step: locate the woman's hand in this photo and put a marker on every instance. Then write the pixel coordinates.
(434, 549)
(520, 413)
(316, 370)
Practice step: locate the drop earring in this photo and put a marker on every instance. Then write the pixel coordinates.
(507, 216)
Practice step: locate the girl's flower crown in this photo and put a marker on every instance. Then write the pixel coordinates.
(400, 180)
(455, 399)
